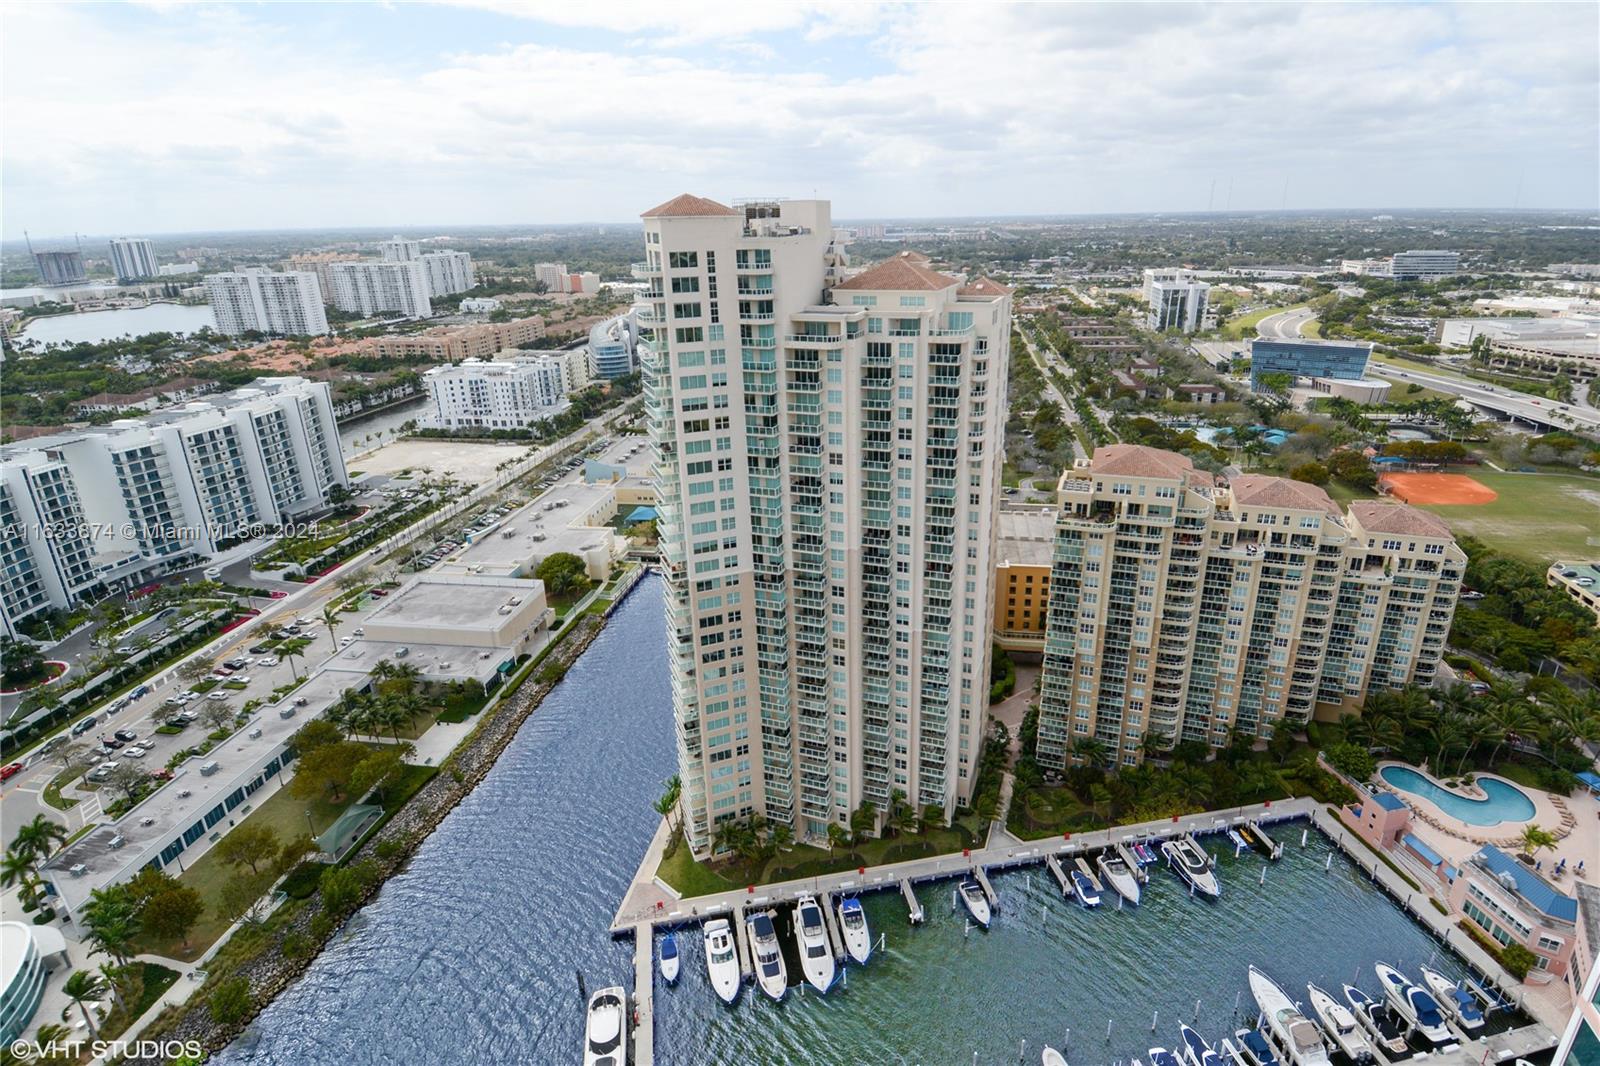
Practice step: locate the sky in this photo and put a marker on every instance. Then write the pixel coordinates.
(166, 117)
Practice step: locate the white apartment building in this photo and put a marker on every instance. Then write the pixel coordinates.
(1177, 304)
(829, 469)
(498, 394)
(552, 274)
(1153, 275)
(398, 249)
(1424, 265)
(448, 272)
(288, 304)
(133, 258)
(577, 368)
(108, 506)
(372, 288)
(1183, 607)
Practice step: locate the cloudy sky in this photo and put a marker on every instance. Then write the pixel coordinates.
(174, 117)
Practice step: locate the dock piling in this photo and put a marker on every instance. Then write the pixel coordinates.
(1153, 1016)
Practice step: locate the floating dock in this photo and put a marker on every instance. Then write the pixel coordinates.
(982, 878)
(1054, 866)
(1088, 871)
(741, 940)
(644, 976)
(1259, 840)
(830, 918)
(913, 907)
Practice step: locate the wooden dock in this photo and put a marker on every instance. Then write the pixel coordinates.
(741, 940)
(644, 974)
(913, 906)
(1054, 866)
(982, 877)
(831, 919)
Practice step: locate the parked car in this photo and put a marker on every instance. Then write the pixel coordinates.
(177, 721)
(134, 752)
(103, 771)
(125, 735)
(126, 649)
(83, 726)
(110, 742)
(10, 770)
(270, 660)
(261, 649)
(188, 715)
(217, 696)
(162, 774)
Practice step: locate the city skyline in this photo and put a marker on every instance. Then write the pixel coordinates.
(497, 116)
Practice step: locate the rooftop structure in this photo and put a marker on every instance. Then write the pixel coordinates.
(1512, 904)
(461, 610)
(1580, 581)
(1024, 546)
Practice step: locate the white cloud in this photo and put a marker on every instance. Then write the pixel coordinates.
(221, 117)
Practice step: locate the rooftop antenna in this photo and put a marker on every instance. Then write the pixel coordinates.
(79, 241)
(29, 240)
(1211, 196)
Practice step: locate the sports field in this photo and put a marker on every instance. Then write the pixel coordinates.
(1539, 517)
(1437, 488)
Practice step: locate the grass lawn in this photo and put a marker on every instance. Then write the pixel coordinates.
(1313, 328)
(52, 791)
(1342, 494)
(1538, 517)
(688, 877)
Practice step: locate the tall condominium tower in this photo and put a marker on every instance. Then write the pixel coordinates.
(1183, 606)
(133, 258)
(289, 303)
(398, 249)
(829, 468)
(371, 288)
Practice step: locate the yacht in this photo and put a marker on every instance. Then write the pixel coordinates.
(605, 1028)
(1457, 1002)
(1051, 1057)
(1340, 1025)
(1193, 865)
(767, 955)
(1414, 1005)
(1084, 890)
(853, 927)
(1296, 1034)
(977, 903)
(1195, 1048)
(1254, 1047)
(816, 957)
(1115, 872)
(722, 964)
(669, 958)
(1386, 1028)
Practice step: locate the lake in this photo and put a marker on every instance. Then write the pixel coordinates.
(98, 326)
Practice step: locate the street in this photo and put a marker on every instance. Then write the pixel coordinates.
(1516, 405)
(1285, 325)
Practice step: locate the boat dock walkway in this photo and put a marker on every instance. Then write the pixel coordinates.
(1088, 871)
(913, 907)
(830, 918)
(988, 890)
(1140, 874)
(1054, 866)
(741, 940)
(644, 976)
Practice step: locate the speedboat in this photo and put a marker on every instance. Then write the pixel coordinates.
(722, 964)
(605, 1027)
(1160, 1056)
(1386, 1028)
(1413, 1003)
(853, 927)
(816, 957)
(1456, 1001)
(669, 958)
(1297, 1034)
(977, 903)
(1254, 1048)
(1340, 1025)
(1193, 865)
(1196, 1049)
(1114, 870)
(771, 974)
(1083, 888)
(1051, 1057)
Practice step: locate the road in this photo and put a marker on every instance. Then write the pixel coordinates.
(1054, 394)
(1285, 325)
(1516, 405)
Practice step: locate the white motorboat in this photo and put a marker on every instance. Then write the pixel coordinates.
(1413, 1003)
(1457, 1002)
(1191, 863)
(605, 1028)
(816, 957)
(1115, 872)
(1386, 1029)
(1339, 1022)
(853, 927)
(1195, 1048)
(977, 903)
(767, 955)
(722, 962)
(669, 958)
(1084, 889)
(1296, 1034)
(1051, 1057)
(1254, 1048)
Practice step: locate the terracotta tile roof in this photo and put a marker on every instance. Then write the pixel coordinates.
(1139, 460)
(983, 287)
(906, 272)
(1263, 490)
(1377, 516)
(687, 206)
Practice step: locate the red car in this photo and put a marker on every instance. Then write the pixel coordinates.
(9, 771)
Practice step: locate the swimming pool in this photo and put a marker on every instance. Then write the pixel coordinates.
(1505, 803)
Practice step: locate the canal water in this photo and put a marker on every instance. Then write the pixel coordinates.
(470, 955)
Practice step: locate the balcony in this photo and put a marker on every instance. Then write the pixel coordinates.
(645, 271)
(831, 340)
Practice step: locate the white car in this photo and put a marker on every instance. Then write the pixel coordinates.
(218, 696)
(270, 660)
(243, 679)
(134, 751)
(345, 642)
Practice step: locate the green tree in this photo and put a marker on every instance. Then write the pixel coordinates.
(1312, 473)
(317, 733)
(172, 912)
(81, 987)
(377, 771)
(36, 839)
(667, 804)
(1355, 761)
(563, 574)
(1536, 839)
(862, 821)
(248, 845)
(326, 772)
(1518, 960)
(230, 1001)
(838, 837)
(110, 921)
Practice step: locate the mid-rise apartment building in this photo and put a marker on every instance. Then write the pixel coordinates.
(1183, 607)
(828, 472)
(108, 506)
(255, 300)
(451, 344)
(504, 394)
(447, 272)
(133, 258)
(552, 275)
(1024, 549)
(374, 288)
(398, 249)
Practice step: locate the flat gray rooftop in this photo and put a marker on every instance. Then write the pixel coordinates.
(1025, 537)
(434, 603)
(438, 662)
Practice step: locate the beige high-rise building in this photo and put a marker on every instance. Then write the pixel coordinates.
(1183, 606)
(829, 468)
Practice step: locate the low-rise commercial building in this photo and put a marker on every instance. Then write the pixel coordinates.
(1512, 904)
(1024, 545)
(452, 344)
(260, 301)
(463, 610)
(1580, 581)
(1200, 393)
(1357, 390)
(1307, 359)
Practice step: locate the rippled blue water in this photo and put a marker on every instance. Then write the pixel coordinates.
(468, 957)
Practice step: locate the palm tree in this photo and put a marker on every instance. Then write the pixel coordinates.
(36, 839)
(1091, 750)
(1447, 734)
(862, 820)
(330, 616)
(81, 987)
(667, 803)
(1508, 715)
(838, 837)
(1534, 839)
(294, 649)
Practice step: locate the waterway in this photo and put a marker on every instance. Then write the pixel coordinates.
(363, 434)
(468, 956)
(98, 326)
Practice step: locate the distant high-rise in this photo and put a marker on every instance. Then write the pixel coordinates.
(133, 258)
(1424, 265)
(1178, 304)
(369, 288)
(829, 469)
(399, 250)
(318, 263)
(447, 272)
(553, 276)
(288, 304)
(60, 268)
